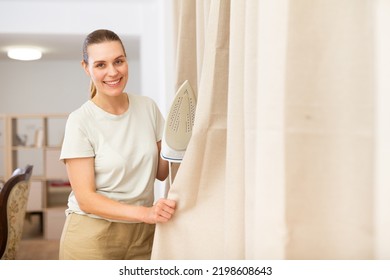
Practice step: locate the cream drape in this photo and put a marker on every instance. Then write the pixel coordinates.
(287, 159)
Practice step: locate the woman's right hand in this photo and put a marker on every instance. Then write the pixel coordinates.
(161, 212)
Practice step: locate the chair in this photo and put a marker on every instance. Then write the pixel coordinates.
(13, 203)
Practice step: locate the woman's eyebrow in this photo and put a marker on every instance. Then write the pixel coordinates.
(102, 61)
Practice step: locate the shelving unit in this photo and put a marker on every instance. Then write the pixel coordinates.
(36, 139)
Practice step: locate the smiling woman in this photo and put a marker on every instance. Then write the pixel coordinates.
(111, 150)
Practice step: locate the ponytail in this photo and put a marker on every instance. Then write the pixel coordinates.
(92, 89)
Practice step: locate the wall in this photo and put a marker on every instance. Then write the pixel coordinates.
(49, 86)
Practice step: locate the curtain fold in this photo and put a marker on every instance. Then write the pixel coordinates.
(282, 163)
(382, 130)
(234, 213)
(199, 183)
(329, 130)
(266, 227)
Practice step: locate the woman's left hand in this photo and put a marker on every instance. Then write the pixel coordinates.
(161, 212)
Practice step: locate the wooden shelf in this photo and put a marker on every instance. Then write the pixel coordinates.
(35, 139)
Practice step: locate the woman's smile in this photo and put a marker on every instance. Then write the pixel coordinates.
(112, 83)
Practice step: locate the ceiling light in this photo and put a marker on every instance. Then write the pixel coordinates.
(24, 53)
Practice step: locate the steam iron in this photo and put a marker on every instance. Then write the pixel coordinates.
(178, 125)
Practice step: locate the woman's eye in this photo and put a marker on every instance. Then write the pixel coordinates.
(118, 62)
(100, 65)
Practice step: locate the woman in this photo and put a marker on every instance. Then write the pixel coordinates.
(111, 151)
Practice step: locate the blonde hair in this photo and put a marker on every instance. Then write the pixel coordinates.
(92, 89)
(96, 37)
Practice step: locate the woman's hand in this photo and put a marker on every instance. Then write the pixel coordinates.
(161, 212)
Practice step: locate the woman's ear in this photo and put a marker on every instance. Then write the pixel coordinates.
(85, 67)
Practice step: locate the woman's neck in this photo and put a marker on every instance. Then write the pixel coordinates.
(115, 105)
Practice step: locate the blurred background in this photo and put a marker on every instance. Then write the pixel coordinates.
(313, 81)
(36, 96)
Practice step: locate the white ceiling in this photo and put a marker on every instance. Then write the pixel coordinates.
(64, 45)
(59, 47)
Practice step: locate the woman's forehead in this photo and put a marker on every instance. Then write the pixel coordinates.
(105, 51)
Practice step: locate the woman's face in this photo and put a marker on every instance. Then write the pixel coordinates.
(107, 66)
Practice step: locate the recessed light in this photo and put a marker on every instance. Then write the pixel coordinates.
(24, 53)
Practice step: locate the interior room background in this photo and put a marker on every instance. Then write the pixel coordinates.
(316, 180)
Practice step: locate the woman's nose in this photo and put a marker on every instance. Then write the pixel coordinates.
(112, 70)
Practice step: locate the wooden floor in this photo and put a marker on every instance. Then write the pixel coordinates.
(38, 249)
(33, 246)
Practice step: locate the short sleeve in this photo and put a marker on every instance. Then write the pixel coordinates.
(159, 123)
(76, 143)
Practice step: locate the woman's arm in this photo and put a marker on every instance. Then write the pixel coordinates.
(82, 179)
(163, 165)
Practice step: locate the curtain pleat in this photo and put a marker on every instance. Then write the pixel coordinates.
(199, 183)
(329, 130)
(382, 131)
(265, 161)
(234, 213)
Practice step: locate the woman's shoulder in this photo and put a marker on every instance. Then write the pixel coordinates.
(142, 101)
(80, 113)
(140, 98)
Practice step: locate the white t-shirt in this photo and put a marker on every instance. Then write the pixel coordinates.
(124, 148)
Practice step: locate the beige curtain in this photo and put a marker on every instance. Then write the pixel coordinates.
(287, 158)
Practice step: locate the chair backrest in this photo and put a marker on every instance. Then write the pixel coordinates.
(13, 203)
